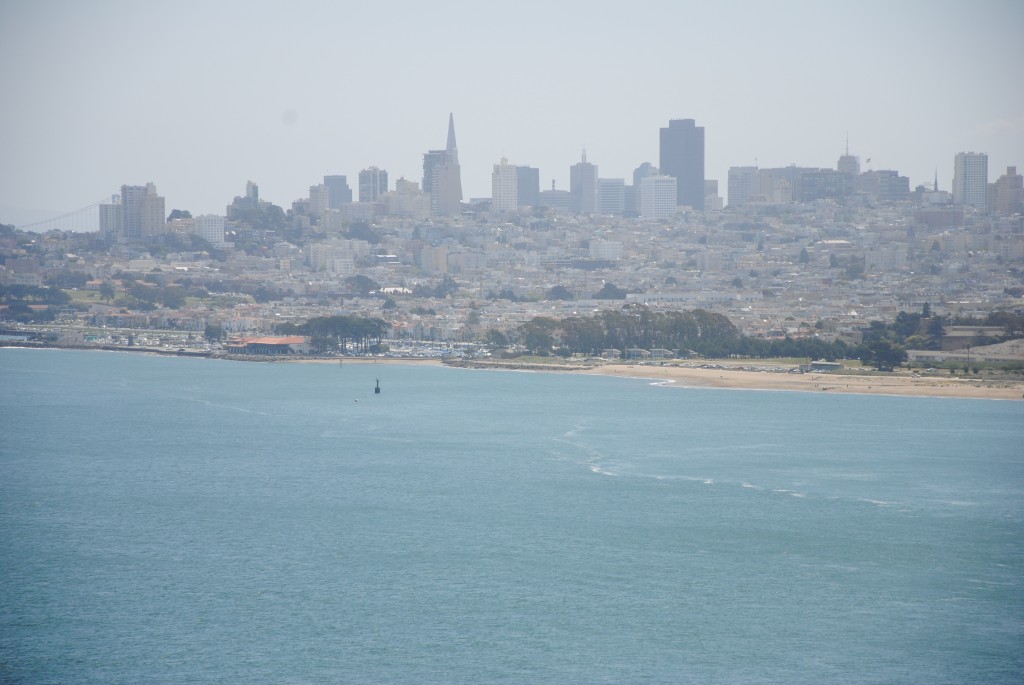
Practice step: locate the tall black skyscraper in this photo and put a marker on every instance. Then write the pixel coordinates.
(682, 157)
(338, 192)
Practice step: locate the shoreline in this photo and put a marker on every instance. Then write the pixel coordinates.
(894, 384)
(727, 376)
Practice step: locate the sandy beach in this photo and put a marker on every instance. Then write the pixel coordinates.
(897, 383)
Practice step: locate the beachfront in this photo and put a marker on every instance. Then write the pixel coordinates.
(904, 383)
(900, 383)
(734, 376)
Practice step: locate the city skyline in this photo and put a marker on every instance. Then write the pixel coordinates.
(208, 97)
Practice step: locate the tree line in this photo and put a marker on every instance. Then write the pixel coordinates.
(339, 333)
(884, 344)
(633, 326)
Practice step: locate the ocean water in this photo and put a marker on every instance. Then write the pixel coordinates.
(167, 520)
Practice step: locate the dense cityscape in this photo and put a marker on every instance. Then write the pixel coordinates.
(794, 255)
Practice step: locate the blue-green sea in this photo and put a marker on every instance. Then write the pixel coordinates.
(174, 520)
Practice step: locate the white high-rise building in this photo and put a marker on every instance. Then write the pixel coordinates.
(658, 197)
(970, 179)
(209, 227)
(504, 187)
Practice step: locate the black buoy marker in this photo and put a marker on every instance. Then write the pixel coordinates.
(376, 390)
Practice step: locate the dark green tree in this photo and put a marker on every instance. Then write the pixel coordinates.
(213, 332)
(362, 285)
(559, 292)
(610, 292)
(107, 291)
(495, 340)
(446, 287)
(360, 230)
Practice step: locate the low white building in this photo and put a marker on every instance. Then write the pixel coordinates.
(209, 227)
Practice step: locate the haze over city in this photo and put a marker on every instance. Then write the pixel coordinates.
(309, 374)
(199, 98)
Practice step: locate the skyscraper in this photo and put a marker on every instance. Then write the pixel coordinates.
(338, 191)
(583, 187)
(373, 183)
(442, 177)
(848, 164)
(682, 157)
(658, 197)
(970, 179)
(528, 186)
(611, 196)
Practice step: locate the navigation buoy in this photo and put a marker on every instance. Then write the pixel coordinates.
(376, 390)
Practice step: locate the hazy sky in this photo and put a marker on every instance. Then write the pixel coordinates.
(199, 97)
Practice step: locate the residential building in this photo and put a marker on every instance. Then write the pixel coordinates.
(373, 183)
(1007, 193)
(142, 213)
(504, 187)
(682, 157)
(407, 200)
(110, 219)
(241, 204)
(209, 227)
(605, 250)
(319, 200)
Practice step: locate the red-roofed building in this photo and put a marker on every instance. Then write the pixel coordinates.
(271, 346)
